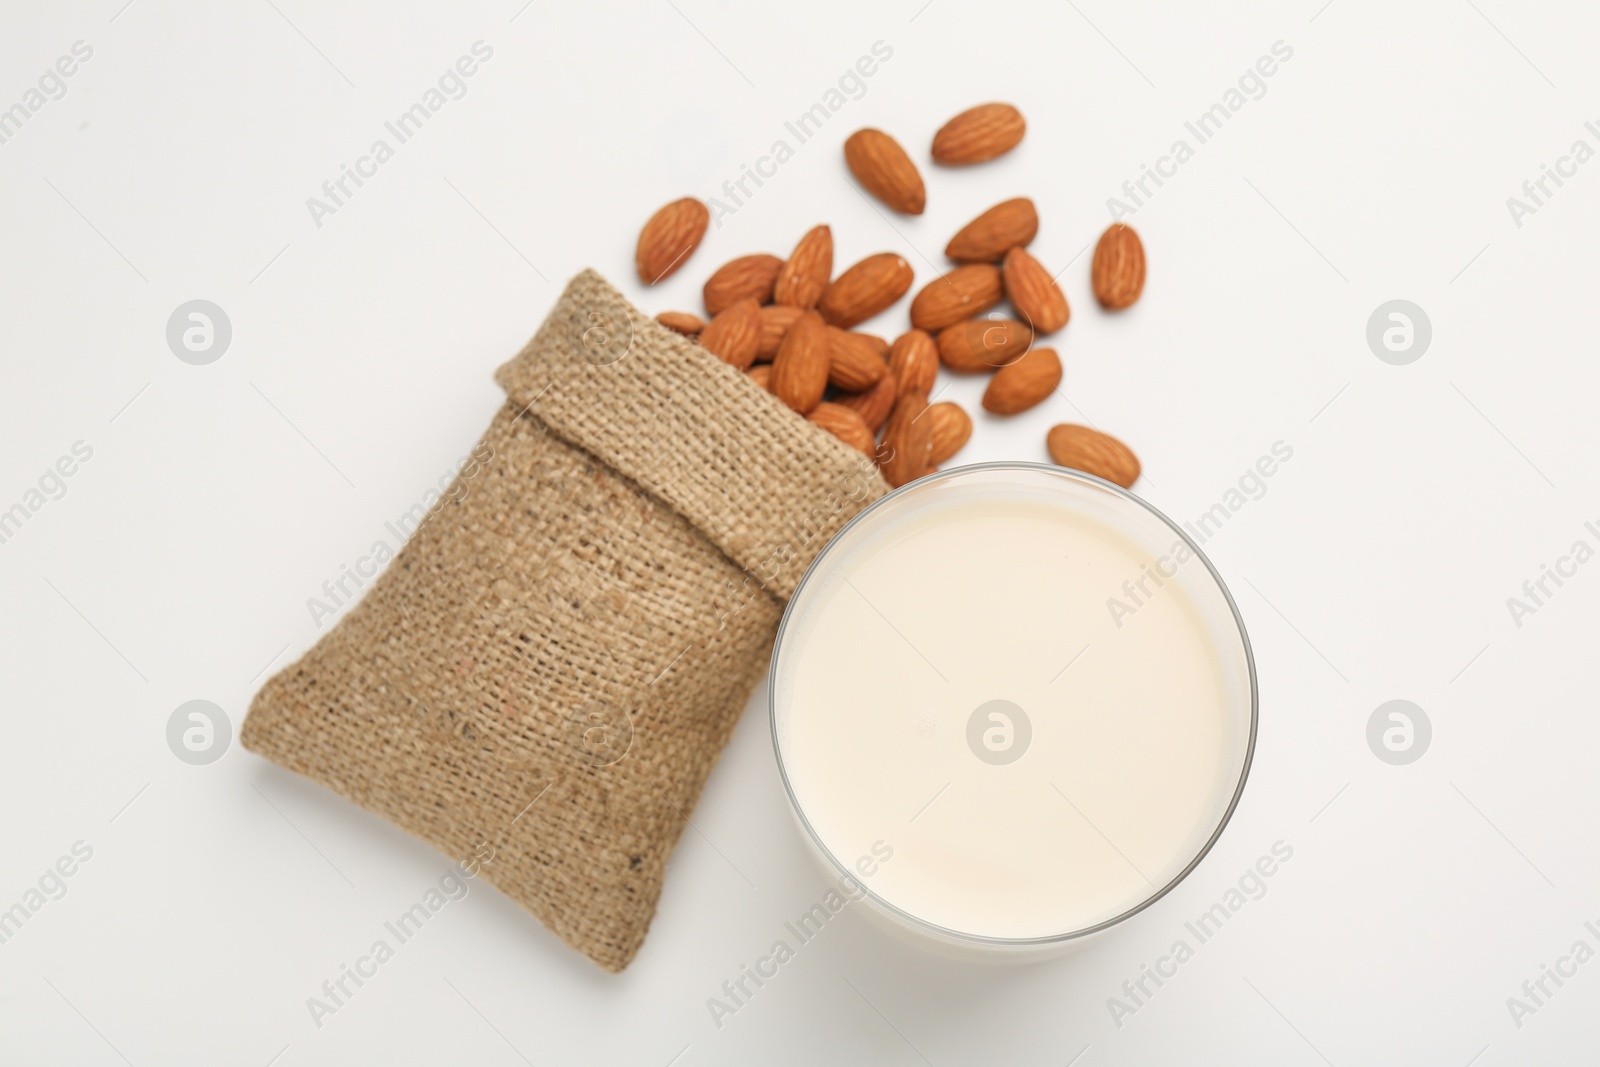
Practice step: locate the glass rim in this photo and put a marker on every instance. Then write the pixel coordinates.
(985, 940)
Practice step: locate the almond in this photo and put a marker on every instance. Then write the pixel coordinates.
(866, 289)
(882, 166)
(964, 293)
(855, 361)
(979, 134)
(951, 427)
(668, 238)
(747, 276)
(845, 424)
(914, 359)
(987, 238)
(1118, 270)
(761, 374)
(1019, 386)
(805, 274)
(734, 335)
(983, 344)
(907, 441)
(1093, 452)
(681, 322)
(800, 369)
(875, 404)
(775, 322)
(1035, 295)
(872, 343)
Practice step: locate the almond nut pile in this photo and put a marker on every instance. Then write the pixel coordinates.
(788, 323)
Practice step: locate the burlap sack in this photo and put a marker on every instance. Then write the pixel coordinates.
(547, 670)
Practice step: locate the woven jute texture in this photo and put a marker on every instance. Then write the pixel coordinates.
(548, 669)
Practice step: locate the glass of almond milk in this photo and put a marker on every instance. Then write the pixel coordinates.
(1013, 705)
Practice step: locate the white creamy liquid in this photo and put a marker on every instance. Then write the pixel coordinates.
(933, 609)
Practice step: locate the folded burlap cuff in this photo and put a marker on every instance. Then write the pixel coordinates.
(548, 669)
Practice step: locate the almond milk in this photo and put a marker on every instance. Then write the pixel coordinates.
(1030, 686)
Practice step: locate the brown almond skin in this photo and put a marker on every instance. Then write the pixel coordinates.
(775, 322)
(1037, 298)
(855, 362)
(983, 344)
(748, 277)
(1093, 452)
(1117, 273)
(734, 335)
(682, 322)
(669, 237)
(914, 359)
(1019, 386)
(907, 441)
(865, 289)
(805, 273)
(875, 404)
(845, 424)
(800, 369)
(987, 238)
(761, 374)
(951, 429)
(964, 293)
(979, 134)
(884, 170)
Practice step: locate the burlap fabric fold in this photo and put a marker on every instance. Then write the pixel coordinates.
(548, 669)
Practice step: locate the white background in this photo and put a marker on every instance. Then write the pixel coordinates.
(219, 498)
